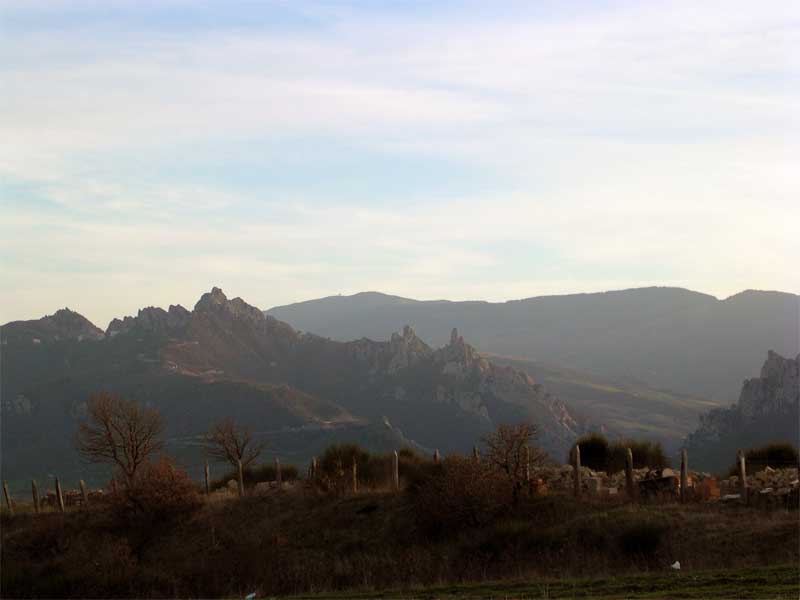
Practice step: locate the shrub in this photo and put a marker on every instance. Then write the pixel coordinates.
(159, 492)
(777, 456)
(466, 494)
(594, 451)
(645, 454)
(599, 455)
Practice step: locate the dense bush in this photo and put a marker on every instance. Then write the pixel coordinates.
(594, 451)
(159, 492)
(600, 455)
(374, 470)
(466, 494)
(776, 456)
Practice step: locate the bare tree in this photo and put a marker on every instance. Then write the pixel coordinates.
(119, 432)
(511, 449)
(227, 442)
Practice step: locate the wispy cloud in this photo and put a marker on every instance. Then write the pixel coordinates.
(438, 151)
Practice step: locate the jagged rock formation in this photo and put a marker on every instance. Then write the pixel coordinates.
(767, 411)
(151, 320)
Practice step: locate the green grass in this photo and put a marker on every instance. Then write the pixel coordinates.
(782, 581)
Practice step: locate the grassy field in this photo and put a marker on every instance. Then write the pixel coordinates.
(775, 582)
(354, 546)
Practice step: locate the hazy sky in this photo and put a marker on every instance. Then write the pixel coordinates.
(290, 150)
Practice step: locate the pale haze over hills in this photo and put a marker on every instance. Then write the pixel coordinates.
(670, 338)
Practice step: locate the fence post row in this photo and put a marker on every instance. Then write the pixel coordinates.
(577, 471)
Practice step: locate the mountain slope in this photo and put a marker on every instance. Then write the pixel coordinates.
(667, 338)
(625, 408)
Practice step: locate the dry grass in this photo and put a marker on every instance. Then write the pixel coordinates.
(308, 542)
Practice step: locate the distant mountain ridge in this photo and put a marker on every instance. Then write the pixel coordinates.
(226, 358)
(667, 338)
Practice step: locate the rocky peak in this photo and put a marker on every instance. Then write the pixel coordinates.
(212, 300)
(151, 320)
(216, 302)
(775, 391)
(402, 350)
(459, 355)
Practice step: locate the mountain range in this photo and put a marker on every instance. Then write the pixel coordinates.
(298, 391)
(648, 363)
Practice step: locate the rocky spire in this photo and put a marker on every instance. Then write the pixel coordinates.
(211, 300)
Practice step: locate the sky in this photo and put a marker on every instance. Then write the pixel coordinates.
(287, 150)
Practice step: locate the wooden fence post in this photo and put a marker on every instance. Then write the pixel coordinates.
(312, 468)
(355, 476)
(742, 475)
(395, 471)
(527, 464)
(35, 494)
(59, 496)
(241, 479)
(630, 484)
(206, 474)
(9, 501)
(475, 454)
(84, 495)
(436, 457)
(577, 471)
(278, 475)
(684, 476)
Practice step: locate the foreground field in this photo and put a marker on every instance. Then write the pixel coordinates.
(762, 583)
(303, 542)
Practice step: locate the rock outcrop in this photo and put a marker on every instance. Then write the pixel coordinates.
(151, 320)
(767, 411)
